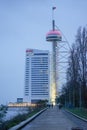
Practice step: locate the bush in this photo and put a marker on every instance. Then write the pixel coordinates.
(16, 120)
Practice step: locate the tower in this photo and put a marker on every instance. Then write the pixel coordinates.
(54, 36)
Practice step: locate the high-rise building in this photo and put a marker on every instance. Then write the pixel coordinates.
(37, 77)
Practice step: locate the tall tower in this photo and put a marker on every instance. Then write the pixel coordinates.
(54, 36)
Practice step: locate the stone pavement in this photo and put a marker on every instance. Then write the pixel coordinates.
(51, 119)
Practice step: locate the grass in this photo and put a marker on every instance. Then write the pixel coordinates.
(82, 112)
(16, 120)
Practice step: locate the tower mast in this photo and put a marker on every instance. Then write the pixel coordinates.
(54, 36)
(54, 46)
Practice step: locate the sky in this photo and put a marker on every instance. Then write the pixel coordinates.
(24, 24)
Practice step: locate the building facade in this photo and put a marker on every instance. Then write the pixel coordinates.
(37, 76)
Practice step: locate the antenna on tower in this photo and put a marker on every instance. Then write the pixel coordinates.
(53, 21)
(54, 36)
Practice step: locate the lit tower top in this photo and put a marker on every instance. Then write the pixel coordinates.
(53, 35)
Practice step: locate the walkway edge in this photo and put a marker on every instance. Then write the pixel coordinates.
(76, 116)
(23, 123)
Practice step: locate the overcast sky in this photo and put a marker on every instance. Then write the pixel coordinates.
(24, 24)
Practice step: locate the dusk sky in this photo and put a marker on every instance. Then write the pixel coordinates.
(24, 24)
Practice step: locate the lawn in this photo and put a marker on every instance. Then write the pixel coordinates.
(82, 112)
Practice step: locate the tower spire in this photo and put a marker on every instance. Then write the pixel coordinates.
(54, 36)
(53, 21)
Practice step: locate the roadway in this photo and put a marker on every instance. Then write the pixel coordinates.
(55, 119)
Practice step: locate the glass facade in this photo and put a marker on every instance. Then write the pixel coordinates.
(36, 75)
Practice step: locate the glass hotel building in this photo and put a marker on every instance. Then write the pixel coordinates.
(37, 72)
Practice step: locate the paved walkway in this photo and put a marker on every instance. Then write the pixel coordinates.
(51, 119)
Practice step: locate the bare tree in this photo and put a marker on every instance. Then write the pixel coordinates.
(76, 86)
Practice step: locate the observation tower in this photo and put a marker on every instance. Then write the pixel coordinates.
(54, 36)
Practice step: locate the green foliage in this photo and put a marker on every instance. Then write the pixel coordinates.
(80, 112)
(41, 104)
(16, 120)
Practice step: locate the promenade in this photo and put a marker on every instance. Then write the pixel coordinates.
(51, 119)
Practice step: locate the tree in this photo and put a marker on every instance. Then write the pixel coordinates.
(76, 85)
